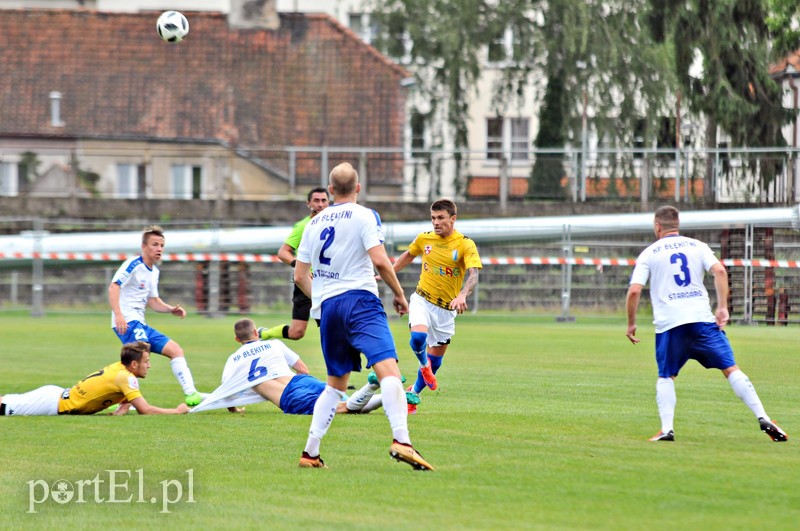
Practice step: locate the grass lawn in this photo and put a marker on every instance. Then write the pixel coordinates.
(536, 424)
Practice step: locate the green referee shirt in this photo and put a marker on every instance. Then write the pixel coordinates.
(293, 240)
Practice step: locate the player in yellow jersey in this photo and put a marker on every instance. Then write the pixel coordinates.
(447, 257)
(114, 384)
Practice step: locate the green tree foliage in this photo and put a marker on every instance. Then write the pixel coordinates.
(783, 26)
(448, 38)
(730, 40)
(627, 76)
(630, 58)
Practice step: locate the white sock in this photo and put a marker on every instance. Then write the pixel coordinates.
(360, 398)
(374, 403)
(182, 373)
(747, 393)
(394, 404)
(666, 400)
(324, 411)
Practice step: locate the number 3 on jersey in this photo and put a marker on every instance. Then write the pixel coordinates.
(685, 278)
(327, 235)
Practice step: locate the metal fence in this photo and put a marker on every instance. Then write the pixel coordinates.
(170, 171)
(562, 278)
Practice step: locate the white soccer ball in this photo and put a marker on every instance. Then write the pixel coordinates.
(172, 26)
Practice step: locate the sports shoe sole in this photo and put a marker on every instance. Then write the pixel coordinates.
(312, 463)
(774, 432)
(661, 436)
(407, 454)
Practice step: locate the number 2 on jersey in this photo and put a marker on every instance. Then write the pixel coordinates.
(327, 235)
(685, 278)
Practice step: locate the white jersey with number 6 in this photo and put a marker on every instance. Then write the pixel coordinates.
(253, 363)
(676, 266)
(335, 242)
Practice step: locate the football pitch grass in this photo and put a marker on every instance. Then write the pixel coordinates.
(537, 425)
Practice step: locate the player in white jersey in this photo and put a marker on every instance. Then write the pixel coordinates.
(344, 245)
(133, 289)
(269, 370)
(685, 327)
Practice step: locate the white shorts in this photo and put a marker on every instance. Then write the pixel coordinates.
(441, 323)
(41, 401)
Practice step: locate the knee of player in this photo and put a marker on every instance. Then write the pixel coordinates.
(418, 340)
(173, 350)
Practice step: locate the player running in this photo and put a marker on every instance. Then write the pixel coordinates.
(441, 294)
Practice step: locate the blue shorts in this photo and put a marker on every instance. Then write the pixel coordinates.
(301, 394)
(352, 323)
(141, 332)
(704, 342)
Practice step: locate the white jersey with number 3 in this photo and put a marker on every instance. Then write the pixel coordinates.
(335, 242)
(675, 266)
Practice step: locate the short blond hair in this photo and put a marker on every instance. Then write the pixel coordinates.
(152, 230)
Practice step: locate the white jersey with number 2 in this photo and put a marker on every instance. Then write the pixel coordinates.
(335, 242)
(675, 266)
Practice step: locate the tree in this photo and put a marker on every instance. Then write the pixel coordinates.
(783, 27)
(448, 37)
(730, 40)
(627, 78)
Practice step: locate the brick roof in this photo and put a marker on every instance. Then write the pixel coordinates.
(311, 82)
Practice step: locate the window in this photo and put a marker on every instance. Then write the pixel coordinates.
(494, 138)
(395, 44)
(417, 123)
(504, 47)
(519, 139)
(507, 137)
(8, 179)
(362, 26)
(496, 51)
(131, 181)
(187, 181)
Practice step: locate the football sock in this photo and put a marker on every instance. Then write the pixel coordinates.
(324, 411)
(374, 403)
(394, 404)
(666, 400)
(419, 385)
(436, 362)
(276, 332)
(747, 393)
(418, 345)
(182, 373)
(360, 398)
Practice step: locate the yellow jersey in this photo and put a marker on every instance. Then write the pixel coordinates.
(445, 261)
(99, 390)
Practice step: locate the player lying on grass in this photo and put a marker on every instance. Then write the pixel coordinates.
(114, 384)
(265, 370)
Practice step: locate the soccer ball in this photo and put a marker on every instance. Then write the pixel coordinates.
(172, 26)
